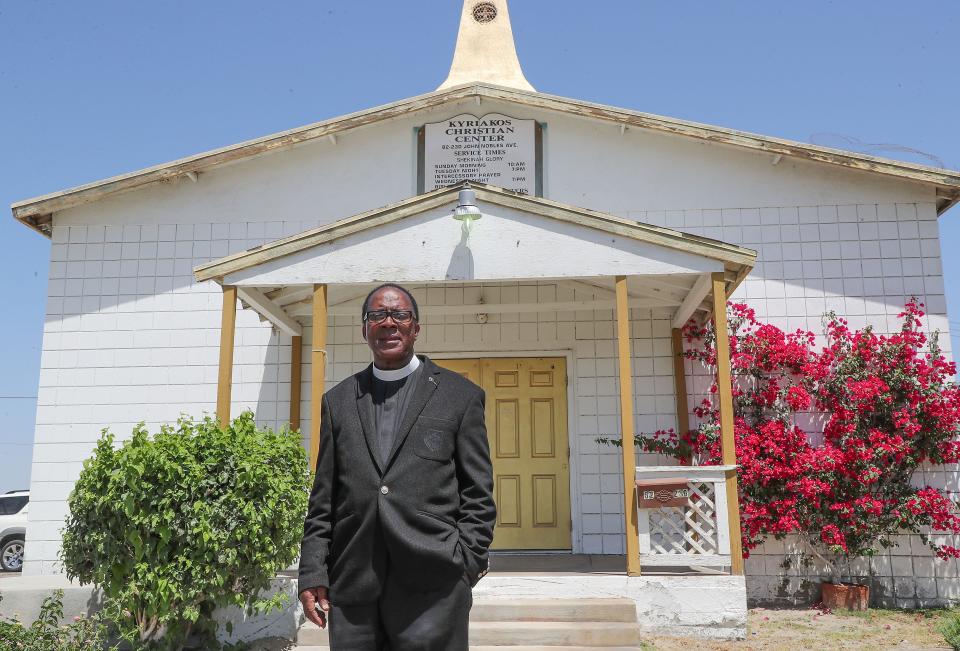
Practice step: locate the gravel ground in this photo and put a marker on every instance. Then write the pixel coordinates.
(793, 629)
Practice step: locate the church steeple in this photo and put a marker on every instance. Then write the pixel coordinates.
(485, 48)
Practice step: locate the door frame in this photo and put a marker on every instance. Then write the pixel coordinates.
(573, 431)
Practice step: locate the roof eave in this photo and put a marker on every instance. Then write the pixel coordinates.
(946, 181)
(48, 204)
(706, 247)
(41, 223)
(946, 200)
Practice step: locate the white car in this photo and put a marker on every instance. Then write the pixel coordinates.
(13, 529)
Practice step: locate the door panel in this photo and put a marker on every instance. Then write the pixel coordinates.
(468, 368)
(527, 428)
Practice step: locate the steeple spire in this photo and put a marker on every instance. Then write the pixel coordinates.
(485, 48)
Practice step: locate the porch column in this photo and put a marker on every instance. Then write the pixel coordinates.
(680, 383)
(725, 393)
(296, 373)
(228, 325)
(318, 368)
(626, 429)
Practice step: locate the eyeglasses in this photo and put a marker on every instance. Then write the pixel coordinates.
(379, 316)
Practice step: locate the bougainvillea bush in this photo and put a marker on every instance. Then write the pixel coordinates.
(877, 409)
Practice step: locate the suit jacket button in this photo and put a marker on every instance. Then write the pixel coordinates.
(384, 490)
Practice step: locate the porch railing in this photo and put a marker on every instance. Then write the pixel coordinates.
(683, 516)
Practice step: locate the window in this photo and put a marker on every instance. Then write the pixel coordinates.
(12, 505)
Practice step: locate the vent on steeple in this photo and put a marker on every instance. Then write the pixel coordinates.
(485, 49)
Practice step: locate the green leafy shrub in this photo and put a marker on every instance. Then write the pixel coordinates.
(950, 629)
(46, 633)
(195, 518)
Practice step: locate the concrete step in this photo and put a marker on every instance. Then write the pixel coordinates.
(554, 648)
(519, 633)
(312, 635)
(537, 624)
(598, 634)
(554, 610)
(511, 648)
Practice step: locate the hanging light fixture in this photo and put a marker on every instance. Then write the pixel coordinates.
(466, 211)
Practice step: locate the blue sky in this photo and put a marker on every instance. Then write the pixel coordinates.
(93, 89)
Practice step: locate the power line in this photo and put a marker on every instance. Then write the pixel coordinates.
(18, 397)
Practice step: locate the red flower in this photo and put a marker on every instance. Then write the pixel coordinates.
(889, 404)
(831, 535)
(798, 399)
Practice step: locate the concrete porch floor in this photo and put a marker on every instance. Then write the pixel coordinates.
(563, 563)
(699, 602)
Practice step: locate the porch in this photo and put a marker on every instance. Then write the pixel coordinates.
(557, 600)
(542, 593)
(668, 600)
(527, 263)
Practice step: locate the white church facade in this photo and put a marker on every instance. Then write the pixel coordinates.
(232, 280)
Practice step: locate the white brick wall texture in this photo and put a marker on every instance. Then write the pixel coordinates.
(130, 337)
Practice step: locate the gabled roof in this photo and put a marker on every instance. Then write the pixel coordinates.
(737, 261)
(37, 212)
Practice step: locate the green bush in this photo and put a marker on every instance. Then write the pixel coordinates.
(950, 629)
(195, 518)
(46, 633)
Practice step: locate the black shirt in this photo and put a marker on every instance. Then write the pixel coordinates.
(390, 399)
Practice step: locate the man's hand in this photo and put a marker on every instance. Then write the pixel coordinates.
(311, 598)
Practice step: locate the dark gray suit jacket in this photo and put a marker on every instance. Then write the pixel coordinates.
(427, 513)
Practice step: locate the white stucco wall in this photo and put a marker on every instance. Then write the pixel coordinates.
(129, 336)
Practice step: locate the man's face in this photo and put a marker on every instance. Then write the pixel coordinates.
(391, 342)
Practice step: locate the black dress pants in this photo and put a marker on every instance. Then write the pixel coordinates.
(404, 620)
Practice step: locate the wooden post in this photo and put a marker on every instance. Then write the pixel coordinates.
(626, 429)
(725, 393)
(228, 326)
(318, 368)
(683, 416)
(296, 373)
(680, 384)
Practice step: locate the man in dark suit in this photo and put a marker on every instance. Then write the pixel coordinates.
(402, 512)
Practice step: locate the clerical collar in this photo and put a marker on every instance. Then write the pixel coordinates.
(397, 374)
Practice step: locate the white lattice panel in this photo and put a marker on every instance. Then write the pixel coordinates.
(695, 533)
(690, 529)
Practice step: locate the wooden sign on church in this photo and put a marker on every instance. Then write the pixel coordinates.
(494, 148)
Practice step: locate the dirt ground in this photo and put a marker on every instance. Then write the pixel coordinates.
(811, 630)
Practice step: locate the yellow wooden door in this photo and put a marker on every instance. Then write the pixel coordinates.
(468, 368)
(527, 427)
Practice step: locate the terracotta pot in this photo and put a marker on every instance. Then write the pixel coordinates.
(846, 596)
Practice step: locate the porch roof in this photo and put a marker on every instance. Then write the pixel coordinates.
(735, 258)
(521, 237)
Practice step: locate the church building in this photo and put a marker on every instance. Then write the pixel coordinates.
(555, 247)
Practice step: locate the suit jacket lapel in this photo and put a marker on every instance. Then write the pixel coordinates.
(422, 392)
(365, 411)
